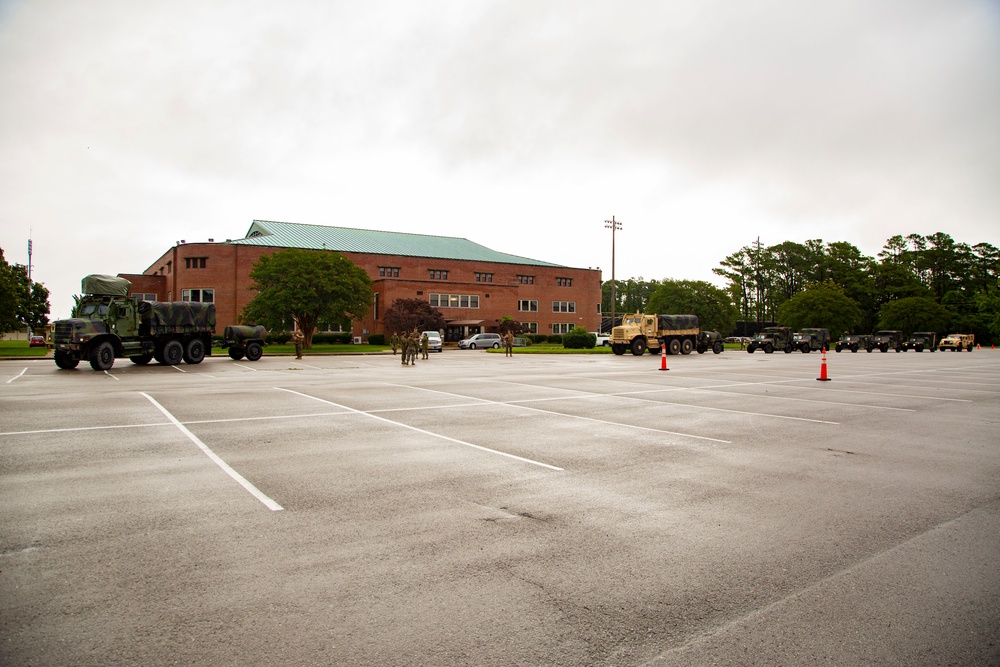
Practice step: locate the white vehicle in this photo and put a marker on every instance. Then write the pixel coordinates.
(433, 340)
(603, 340)
(480, 340)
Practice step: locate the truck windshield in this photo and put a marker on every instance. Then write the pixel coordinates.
(92, 308)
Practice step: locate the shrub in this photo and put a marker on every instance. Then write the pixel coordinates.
(376, 339)
(579, 339)
(331, 338)
(554, 338)
(536, 338)
(279, 338)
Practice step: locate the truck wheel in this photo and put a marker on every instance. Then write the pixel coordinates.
(789, 349)
(235, 353)
(768, 348)
(254, 351)
(173, 353)
(674, 347)
(141, 360)
(102, 357)
(751, 348)
(618, 349)
(718, 347)
(686, 346)
(195, 352)
(65, 361)
(638, 347)
(805, 348)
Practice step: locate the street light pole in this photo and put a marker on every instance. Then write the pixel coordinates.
(613, 225)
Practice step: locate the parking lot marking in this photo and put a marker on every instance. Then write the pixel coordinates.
(244, 366)
(519, 404)
(242, 481)
(714, 390)
(17, 376)
(83, 428)
(420, 430)
(112, 376)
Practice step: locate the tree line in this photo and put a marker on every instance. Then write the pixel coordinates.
(24, 304)
(915, 283)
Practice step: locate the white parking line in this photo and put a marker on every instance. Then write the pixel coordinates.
(17, 376)
(420, 430)
(242, 481)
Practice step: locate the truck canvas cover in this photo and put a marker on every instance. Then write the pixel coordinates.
(106, 285)
(184, 314)
(678, 321)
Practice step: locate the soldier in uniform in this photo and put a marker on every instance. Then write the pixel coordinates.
(298, 339)
(412, 345)
(508, 343)
(404, 347)
(424, 343)
(394, 342)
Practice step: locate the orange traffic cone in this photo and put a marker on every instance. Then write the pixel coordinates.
(663, 358)
(822, 370)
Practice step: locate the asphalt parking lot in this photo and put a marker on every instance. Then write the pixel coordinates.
(479, 510)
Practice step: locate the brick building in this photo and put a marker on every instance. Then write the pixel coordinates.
(473, 286)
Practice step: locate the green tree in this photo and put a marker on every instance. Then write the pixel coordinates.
(915, 313)
(23, 303)
(508, 323)
(405, 315)
(307, 286)
(711, 304)
(821, 305)
(9, 298)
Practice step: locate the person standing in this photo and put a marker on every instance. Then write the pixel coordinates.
(404, 347)
(298, 339)
(394, 342)
(412, 345)
(508, 344)
(424, 344)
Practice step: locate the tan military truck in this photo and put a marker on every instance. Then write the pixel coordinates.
(957, 342)
(641, 332)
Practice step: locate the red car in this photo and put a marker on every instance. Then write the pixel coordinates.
(36, 341)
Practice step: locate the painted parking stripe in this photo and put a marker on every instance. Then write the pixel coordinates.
(242, 481)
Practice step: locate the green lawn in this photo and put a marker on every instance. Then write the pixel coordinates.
(19, 348)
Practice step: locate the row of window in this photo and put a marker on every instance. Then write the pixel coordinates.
(557, 328)
(200, 295)
(454, 300)
(531, 306)
(439, 274)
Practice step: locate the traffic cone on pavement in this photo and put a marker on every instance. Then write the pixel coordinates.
(822, 370)
(663, 358)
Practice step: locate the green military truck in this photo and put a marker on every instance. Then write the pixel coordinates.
(710, 340)
(855, 342)
(771, 339)
(107, 324)
(920, 341)
(811, 339)
(889, 339)
(245, 341)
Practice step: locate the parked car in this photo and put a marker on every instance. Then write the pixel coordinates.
(433, 341)
(603, 340)
(480, 340)
(36, 341)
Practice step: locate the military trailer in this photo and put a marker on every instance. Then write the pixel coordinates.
(245, 341)
(771, 339)
(808, 340)
(108, 324)
(710, 340)
(889, 339)
(640, 331)
(855, 342)
(920, 341)
(958, 342)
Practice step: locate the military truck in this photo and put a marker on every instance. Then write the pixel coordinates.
(808, 339)
(920, 341)
(710, 340)
(640, 331)
(108, 324)
(855, 342)
(245, 341)
(958, 342)
(889, 339)
(771, 339)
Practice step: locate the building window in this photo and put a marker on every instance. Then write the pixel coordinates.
(526, 280)
(375, 305)
(564, 282)
(564, 306)
(144, 296)
(484, 277)
(530, 327)
(562, 328)
(201, 295)
(195, 262)
(527, 306)
(436, 274)
(454, 300)
(599, 311)
(170, 267)
(388, 271)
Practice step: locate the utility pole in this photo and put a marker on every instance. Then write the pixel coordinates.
(613, 225)
(30, 332)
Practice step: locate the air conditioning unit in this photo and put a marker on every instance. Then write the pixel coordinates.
(357, 340)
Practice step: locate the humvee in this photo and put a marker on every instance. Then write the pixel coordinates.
(889, 339)
(771, 339)
(855, 342)
(808, 340)
(958, 342)
(920, 341)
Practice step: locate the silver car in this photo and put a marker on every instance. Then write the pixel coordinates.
(433, 340)
(480, 340)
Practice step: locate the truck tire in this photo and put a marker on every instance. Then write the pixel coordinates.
(235, 353)
(789, 349)
(173, 352)
(718, 347)
(102, 357)
(686, 346)
(618, 349)
(141, 360)
(638, 347)
(768, 348)
(254, 351)
(194, 353)
(674, 346)
(751, 348)
(65, 361)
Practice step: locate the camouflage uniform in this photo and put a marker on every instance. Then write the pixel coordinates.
(298, 339)
(508, 343)
(412, 344)
(394, 342)
(404, 348)
(424, 343)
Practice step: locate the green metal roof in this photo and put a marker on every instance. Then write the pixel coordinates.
(343, 239)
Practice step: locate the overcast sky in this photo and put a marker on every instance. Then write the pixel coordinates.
(127, 125)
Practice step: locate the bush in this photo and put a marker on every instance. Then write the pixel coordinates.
(279, 338)
(579, 339)
(554, 338)
(376, 339)
(536, 338)
(331, 339)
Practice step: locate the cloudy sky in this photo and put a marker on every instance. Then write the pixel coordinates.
(127, 125)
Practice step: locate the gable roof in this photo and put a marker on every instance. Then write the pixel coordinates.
(344, 239)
